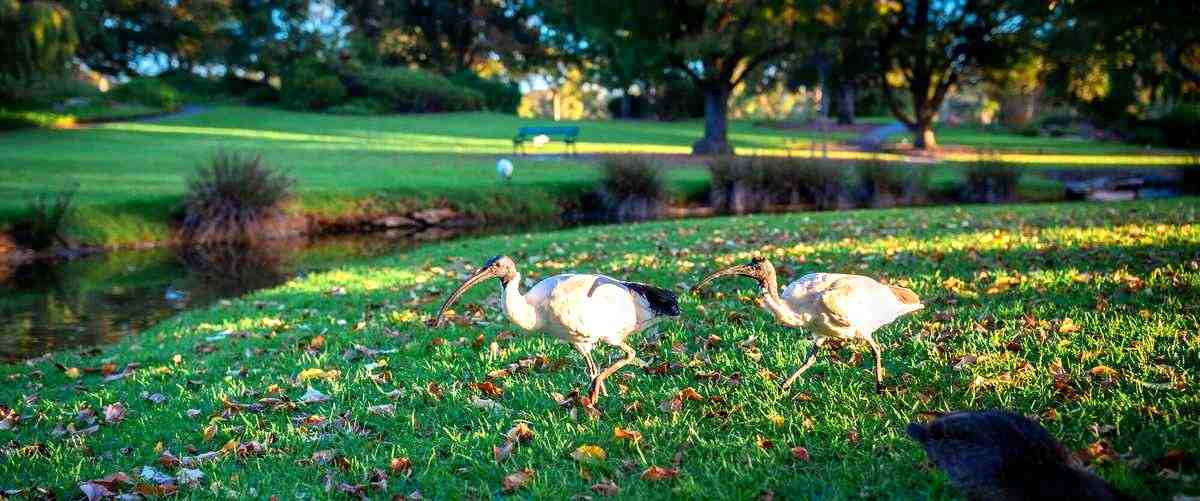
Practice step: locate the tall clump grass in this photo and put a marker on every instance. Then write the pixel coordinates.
(43, 226)
(235, 198)
(633, 188)
(883, 184)
(991, 180)
(742, 185)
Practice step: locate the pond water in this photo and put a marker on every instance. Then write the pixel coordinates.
(48, 306)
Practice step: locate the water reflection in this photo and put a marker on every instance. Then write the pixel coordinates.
(46, 306)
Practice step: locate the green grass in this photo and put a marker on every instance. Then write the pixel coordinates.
(1103, 296)
(130, 176)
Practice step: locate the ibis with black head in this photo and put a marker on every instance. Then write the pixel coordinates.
(583, 310)
(828, 305)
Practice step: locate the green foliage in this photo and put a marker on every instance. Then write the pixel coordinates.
(311, 85)
(45, 219)
(149, 92)
(234, 198)
(633, 187)
(195, 87)
(639, 106)
(359, 106)
(415, 91)
(39, 39)
(25, 119)
(43, 92)
(678, 99)
(991, 181)
(884, 184)
(499, 96)
(1181, 126)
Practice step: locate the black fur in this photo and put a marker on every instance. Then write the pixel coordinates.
(1002, 455)
(662, 301)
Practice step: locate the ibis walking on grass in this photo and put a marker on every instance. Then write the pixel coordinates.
(829, 306)
(583, 310)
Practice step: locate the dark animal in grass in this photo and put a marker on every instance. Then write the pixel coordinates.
(1000, 455)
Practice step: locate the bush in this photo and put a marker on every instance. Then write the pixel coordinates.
(192, 85)
(639, 107)
(43, 227)
(359, 106)
(43, 93)
(415, 91)
(150, 92)
(887, 185)
(234, 198)
(991, 181)
(503, 97)
(742, 185)
(264, 94)
(633, 187)
(310, 86)
(678, 99)
(1180, 127)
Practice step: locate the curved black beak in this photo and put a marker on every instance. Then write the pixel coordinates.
(745, 270)
(480, 276)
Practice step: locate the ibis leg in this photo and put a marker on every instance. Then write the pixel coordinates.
(592, 369)
(598, 381)
(878, 364)
(809, 360)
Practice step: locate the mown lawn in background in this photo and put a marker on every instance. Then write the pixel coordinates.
(130, 177)
(1085, 315)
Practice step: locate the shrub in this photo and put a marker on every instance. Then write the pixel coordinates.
(234, 198)
(359, 106)
(888, 185)
(150, 92)
(742, 185)
(1180, 127)
(43, 227)
(310, 86)
(43, 93)
(264, 94)
(406, 90)
(192, 85)
(678, 99)
(991, 181)
(503, 97)
(639, 107)
(633, 187)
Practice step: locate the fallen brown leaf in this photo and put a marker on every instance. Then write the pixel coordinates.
(516, 480)
(658, 473)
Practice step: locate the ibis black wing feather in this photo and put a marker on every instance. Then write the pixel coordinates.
(662, 301)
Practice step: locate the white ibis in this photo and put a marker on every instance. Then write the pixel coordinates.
(504, 169)
(581, 309)
(829, 305)
(1002, 455)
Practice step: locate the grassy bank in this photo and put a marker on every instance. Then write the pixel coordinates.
(1082, 314)
(130, 176)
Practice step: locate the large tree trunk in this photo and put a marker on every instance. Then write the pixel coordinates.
(626, 105)
(846, 103)
(923, 137)
(716, 123)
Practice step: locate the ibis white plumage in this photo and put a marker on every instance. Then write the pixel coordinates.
(829, 306)
(504, 169)
(583, 310)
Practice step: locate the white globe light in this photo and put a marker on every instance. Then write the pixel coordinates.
(504, 168)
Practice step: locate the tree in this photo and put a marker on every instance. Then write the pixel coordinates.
(39, 39)
(446, 36)
(716, 44)
(927, 45)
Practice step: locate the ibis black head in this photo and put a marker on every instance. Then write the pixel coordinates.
(761, 270)
(501, 267)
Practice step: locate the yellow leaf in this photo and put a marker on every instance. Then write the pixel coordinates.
(776, 419)
(1067, 326)
(73, 373)
(589, 453)
(209, 432)
(229, 446)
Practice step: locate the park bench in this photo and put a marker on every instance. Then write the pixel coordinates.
(567, 134)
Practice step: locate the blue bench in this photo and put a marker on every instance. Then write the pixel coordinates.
(568, 135)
